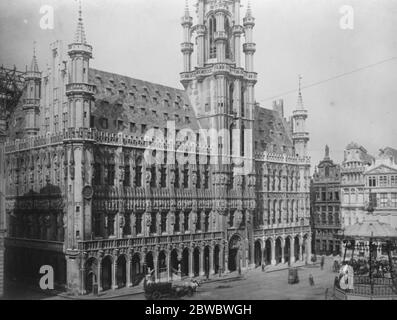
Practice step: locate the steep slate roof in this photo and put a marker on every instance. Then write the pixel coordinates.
(364, 155)
(272, 129)
(135, 101)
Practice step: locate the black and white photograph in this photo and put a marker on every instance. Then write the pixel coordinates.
(198, 153)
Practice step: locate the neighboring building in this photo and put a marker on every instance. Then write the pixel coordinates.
(356, 162)
(381, 186)
(83, 196)
(11, 87)
(325, 206)
(2, 215)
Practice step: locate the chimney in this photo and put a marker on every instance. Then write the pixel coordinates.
(278, 105)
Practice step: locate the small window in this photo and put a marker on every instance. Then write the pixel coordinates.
(143, 128)
(92, 122)
(132, 127)
(120, 125)
(104, 123)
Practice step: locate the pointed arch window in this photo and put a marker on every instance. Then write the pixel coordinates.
(228, 53)
(231, 97)
(243, 103)
(242, 141)
(138, 173)
(232, 127)
(212, 30)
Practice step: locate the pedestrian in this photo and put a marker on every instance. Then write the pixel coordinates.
(311, 280)
(322, 262)
(263, 267)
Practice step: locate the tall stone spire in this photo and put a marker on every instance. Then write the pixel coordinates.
(80, 33)
(34, 67)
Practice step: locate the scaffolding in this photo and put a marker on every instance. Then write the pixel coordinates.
(12, 83)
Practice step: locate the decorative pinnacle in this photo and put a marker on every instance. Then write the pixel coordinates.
(249, 10)
(34, 66)
(80, 34)
(187, 12)
(326, 152)
(300, 99)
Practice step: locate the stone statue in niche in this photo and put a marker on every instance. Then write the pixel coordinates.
(238, 219)
(171, 221)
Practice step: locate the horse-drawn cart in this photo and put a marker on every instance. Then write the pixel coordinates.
(170, 290)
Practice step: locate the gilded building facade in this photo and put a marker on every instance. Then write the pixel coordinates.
(381, 186)
(115, 177)
(356, 161)
(325, 206)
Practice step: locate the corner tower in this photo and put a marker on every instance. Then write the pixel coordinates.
(78, 90)
(31, 103)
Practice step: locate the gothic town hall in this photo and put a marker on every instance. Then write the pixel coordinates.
(110, 178)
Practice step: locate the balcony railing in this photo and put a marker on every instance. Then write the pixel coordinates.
(146, 241)
(35, 244)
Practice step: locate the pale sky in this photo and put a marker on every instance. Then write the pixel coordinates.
(141, 39)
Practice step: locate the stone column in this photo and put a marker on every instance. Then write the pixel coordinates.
(202, 261)
(226, 258)
(292, 250)
(128, 270)
(309, 250)
(274, 262)
(168, 263)
(191, 273)
(114, 272)
(156, 266)
(282, 251)
(211, 261)
(99, 276)
(82, 275)
(300, 249)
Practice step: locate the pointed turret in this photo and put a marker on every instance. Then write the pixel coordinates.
(249, 47)
(31, 103)
(187, 45)
(80, 53)
(34, 65)
(80, 33)
(300, 136)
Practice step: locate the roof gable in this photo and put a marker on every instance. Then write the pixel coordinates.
(382, 169)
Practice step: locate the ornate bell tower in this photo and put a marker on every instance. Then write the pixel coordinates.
(221, 90)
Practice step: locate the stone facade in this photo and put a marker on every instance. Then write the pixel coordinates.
(356, 161)
(117, 178)
(381, 186)
(325, 206)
